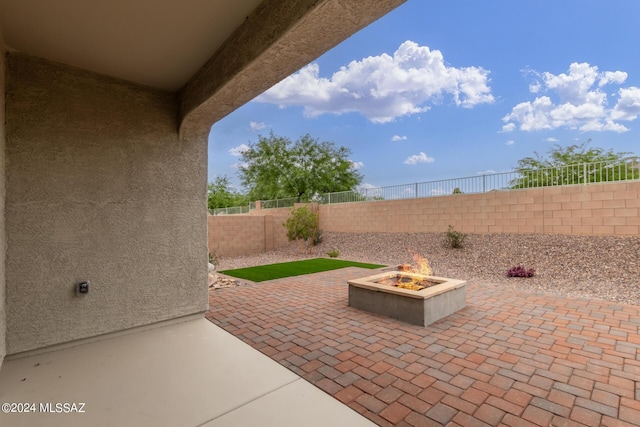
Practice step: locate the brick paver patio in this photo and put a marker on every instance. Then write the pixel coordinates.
(509, 358)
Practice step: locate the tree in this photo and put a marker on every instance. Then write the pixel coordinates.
(220, 194)
(275, 168)
(575, 164)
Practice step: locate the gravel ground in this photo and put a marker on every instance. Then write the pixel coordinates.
(589, 267)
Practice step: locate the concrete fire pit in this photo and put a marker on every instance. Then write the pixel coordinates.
(376, 294)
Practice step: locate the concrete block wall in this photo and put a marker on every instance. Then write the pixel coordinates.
(276, 235)
(232, 235)
(596, 209)
(258, 231)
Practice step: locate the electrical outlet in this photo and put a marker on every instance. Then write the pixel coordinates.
(82, 288)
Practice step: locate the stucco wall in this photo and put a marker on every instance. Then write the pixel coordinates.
(596, 209)
(99, 188)
(3, 322)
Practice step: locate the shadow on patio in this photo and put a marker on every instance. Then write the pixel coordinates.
(188, 373)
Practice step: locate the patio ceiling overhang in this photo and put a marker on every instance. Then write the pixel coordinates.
(217, 54)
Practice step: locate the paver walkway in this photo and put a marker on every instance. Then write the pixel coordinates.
(509, 358)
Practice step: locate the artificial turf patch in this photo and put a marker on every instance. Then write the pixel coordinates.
(261, 273)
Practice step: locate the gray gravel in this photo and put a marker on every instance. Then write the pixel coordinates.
(606, 267)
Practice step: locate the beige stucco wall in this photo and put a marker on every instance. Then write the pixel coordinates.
(99, 187)
(3, 322)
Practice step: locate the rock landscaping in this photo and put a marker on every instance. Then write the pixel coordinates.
(592, 267)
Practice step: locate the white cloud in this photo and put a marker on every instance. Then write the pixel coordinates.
(384, 87)
(237, 151)
(606, 126)
(551, 139)
(418, 158)
(369, 190)
(628, 106)
(510, 142)
(366, 186)
(509, 127)
(575, 100)
(240, 165)
(438, 192)
(487, 172)
(612, 77)
(356, 165)
(257, 125)
(535, 87)
(398, 138)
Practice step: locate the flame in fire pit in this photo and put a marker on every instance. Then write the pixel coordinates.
(421, 267)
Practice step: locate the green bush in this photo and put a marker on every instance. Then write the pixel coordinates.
(302, 225)
(333, 253)
(455, 238)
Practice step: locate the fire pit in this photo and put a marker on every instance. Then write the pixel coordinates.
(416, 298)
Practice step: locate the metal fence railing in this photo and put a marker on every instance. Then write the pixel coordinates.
(279, 203)
(584, 173)
(230, 211)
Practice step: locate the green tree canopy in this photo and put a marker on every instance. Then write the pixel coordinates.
(220, 194)
(575, 164)
(275, 168)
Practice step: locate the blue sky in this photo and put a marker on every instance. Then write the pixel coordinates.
(451, 88)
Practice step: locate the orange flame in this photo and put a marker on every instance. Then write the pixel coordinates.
(421, 267)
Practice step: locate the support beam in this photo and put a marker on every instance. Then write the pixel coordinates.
(277, 39)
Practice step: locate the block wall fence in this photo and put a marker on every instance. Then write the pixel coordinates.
(258, 231)
(594, 209)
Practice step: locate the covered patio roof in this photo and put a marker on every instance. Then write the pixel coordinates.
(217, 54)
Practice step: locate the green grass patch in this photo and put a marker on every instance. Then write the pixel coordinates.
(295, 268)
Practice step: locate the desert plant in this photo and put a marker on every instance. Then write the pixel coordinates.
(520, 271)
(317, 238)
(457, 190)
(213, 258)
(302, 225)
(455, 238)
(333, 253)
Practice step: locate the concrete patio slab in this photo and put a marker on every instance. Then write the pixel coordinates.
(297, 404)
(183, 374)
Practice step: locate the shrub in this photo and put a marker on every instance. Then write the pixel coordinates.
(455, 238)
(317, 238)
(333, 253)
(520, 271)
(302, 224)
(213, 258)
